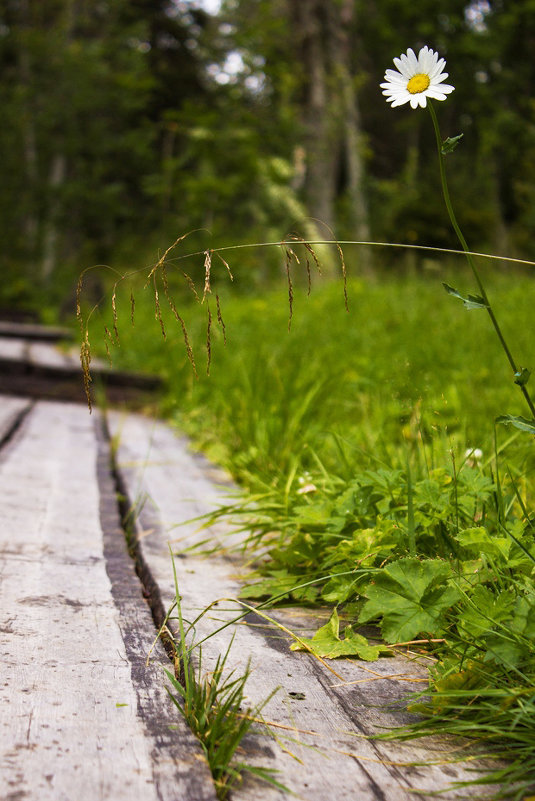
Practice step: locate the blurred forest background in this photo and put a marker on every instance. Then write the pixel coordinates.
(126, 123)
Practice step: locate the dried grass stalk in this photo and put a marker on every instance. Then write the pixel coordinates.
(207, 270)
(220, 320)
(208, 340)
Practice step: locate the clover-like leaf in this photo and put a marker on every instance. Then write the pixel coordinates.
(328, 644)
(449, 144)
(470, 301)
(411, 597)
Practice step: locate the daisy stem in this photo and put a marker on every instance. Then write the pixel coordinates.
(462, 240)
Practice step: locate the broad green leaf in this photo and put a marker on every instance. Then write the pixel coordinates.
(505, 649)
(524, 617)
(328, 644)
(486, 608)
(411, 597)
(471, 301)
(518, 422)
(339, 589)
(449, 144)
(479, 541)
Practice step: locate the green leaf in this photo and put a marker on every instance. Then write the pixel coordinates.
(449, 144)
(328, 644)
(479, 541)
(523, 622)
(522, 376)
(411, 597)
(486, 608)
(471, 301)
(518, 422)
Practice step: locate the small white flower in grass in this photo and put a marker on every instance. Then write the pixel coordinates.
(416, 79)
(473, 456)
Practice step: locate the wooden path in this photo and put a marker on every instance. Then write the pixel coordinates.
(83, 716)
(31, 366)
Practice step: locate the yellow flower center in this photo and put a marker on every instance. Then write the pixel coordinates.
(418, 83)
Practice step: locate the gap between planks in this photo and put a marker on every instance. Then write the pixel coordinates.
(82, 715)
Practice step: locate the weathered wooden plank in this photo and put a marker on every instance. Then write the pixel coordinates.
(322, 719)
(47, 354)
(34, 331)
(13, 349)
(81, 715)
(42, 370)
(12, 410)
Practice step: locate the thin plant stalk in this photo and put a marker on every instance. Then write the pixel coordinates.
(464, 245)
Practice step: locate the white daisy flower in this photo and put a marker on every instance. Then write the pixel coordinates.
(416, 79)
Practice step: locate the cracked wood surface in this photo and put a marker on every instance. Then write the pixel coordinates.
(82, 716)
(322, 715)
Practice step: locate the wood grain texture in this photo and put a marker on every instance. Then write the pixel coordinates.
(81, 716)
(321, 716)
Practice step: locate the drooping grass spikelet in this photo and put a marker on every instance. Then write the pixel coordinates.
(79, 287)
(162, 259)
(312, 252)
(108, 338)
(132, 306)
(85, 361)
(344, 274)
(187, 343)
(226, 265)
(289, 255)
(182, 324)
(309, 277)
(220, 319)
(208, 340)
(158, 309)
(114, 311)
(309, 248)
(191, 284)
(207, 269)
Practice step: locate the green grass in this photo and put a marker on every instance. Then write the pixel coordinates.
(349, 436)
(213, 704)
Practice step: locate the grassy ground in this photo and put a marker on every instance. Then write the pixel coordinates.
(352, 436)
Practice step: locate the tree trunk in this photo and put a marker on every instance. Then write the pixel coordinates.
(330, 113)
(30, 220)
(359, 216)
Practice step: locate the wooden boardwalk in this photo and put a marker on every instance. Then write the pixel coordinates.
(84, 716)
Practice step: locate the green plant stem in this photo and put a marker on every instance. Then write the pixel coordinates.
(466, 249)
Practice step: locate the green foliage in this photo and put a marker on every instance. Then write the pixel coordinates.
(411, 597)
(366, 490)
(329, 644)
(213, 704)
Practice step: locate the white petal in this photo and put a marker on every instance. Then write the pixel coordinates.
(433, 60)
(424, 61)
(435, 94)
(414, 101)
(445, 88)
(422, 99)
(401, 67)
(438, 68)
(413, 61)
(401, 100)
(395, 77)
